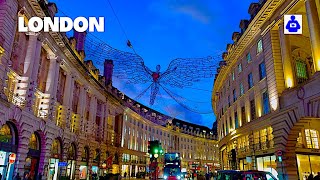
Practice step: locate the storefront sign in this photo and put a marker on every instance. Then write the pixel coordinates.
(62, 164)
(12, 158)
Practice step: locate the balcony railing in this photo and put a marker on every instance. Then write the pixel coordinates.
(16, 99)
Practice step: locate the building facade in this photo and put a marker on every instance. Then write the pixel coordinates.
(197, 145)
(58, 116)
(266, 94)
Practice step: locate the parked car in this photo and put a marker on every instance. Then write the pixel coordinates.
(244, 175)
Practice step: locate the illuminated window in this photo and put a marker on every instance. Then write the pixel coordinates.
(302, 74)
(259, 46)
(5, 134)
(240, 68)
(248, 57)
(250, 80)
(256, 137)
(241, 89)
(299, 140)
(262, 71)
(263, 135)
(312, 138)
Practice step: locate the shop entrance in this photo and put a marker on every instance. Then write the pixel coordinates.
(8, 149)
(84, 163)
(72, 156)
(54, 171)
(33, 157)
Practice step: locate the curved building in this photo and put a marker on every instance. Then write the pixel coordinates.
(60, 118)
(266, 94)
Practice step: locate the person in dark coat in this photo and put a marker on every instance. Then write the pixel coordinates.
(17, 177)
(310, 177)
(317, 177)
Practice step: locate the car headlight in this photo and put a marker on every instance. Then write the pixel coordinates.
(165, 177)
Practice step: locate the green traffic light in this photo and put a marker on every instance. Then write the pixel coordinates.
(156, 151)
(161, 151)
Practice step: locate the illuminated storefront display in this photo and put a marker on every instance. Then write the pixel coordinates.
(308, 164)
(54, 160)
(267, 163)
(71, 161)
(83, 174)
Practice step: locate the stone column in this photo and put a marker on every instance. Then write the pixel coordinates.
(101, 127)
(81, 107)
(52, 83)
(67, 97)
(31, 67)
(288, 70)
(314, 27)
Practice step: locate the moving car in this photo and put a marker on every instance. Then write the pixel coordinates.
(244, 175)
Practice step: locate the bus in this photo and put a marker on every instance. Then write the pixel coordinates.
(172, 166)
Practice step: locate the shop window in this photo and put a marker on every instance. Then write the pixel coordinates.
(250, 80)
(307, 164)
(262, 71)
(312, 138)
(259, 46)
(268, 164)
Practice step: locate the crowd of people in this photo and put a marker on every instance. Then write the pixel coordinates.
(311, 177)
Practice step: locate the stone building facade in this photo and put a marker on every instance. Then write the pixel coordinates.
(197, 145)
(58, 115)
(266, 94)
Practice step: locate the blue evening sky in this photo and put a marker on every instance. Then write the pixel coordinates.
(163, 30)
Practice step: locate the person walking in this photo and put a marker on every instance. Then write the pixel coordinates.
(317, 177)
(310, 177)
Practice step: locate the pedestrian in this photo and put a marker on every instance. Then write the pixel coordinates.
(310, 177)
(125, 174)
(17, 177)
(317, 177)
(0, 176)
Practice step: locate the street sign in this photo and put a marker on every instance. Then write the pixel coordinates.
(12, 158)
(62, 164)
(279, 153)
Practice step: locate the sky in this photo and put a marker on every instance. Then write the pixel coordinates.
(162, 30)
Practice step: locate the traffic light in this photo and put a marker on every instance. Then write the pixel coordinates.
(149, 147)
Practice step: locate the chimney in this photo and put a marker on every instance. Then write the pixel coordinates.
(53, 10)
(108, 71)
(243, 25)
(253, 9)
(80, 38)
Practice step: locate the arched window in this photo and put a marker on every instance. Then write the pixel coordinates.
(312, 138)
(72, 152)
(85, 155)
(56, 148)
(303, 65)
(6, 134)
(34, 142)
